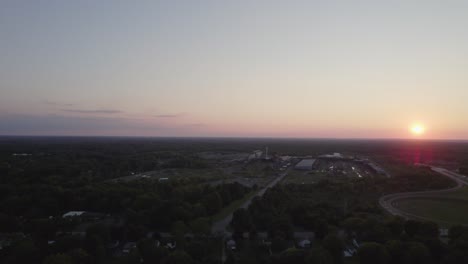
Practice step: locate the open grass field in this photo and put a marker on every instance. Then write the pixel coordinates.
(461, 193)
(446, 211)
(303, 177)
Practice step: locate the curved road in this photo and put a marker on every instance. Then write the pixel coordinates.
(387, 201)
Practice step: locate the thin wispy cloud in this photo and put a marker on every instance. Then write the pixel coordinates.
(170, 115)
(94, 111)
(64, 124)
(18, 124)
(51, 103)
(196, 125)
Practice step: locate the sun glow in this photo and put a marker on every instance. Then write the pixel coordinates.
(417, 129)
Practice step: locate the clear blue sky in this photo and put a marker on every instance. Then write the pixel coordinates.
(234, 68)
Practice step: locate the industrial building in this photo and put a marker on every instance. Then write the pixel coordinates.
(305, 164)
(335, 155)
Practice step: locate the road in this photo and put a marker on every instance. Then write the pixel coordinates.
(220, 227)
(387, 202)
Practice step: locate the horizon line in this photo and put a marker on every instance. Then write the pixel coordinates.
(240, 137)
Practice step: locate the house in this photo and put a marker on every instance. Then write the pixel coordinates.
(304, 243)
(171, 245)
(83, 215)
(113, 244)
(231, 244)
(128, 247)
(73, 214)
(351, 250)
(443, 232)
(165, 235)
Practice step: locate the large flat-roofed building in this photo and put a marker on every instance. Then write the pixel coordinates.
(305, 164)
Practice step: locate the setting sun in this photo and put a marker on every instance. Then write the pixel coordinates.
(417, 129)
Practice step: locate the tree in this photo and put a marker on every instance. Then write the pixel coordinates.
(397, 251)
(291, 255)
(280, 227)
(213, 203)
(419, 253)
(8, 223)
(79, 256)
(179, 229)
(24, 251)
(58, 259)
(321, 229)
(372, 252)
(278, 244)
(178, 257)
(412, 227)
(374, 231)
(429, 230)
(396, 226)
(353, 224)
(335, 246)
(95, 247)
(147, 248)
(100, 231)
(201, 226)
(456, 232)
(457, 252)
(241, 220)
(319, 255)
(197, 250)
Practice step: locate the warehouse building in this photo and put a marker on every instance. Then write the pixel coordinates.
(305, 164)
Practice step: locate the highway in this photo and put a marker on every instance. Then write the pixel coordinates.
(387, 202)
(220, 227)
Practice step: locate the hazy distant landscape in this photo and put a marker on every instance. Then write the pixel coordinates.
(206, 200)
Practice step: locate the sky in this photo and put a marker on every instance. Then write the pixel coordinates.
(245, 68)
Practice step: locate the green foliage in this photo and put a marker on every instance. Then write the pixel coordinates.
(178, 257)
(58, 259)
(371, 252)
(291, 255)
(279, 244)
(335, 246)
(241, 220)
(24, 251)
(396, 226)
(149, 251)
(319, 255)
(201, 226)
